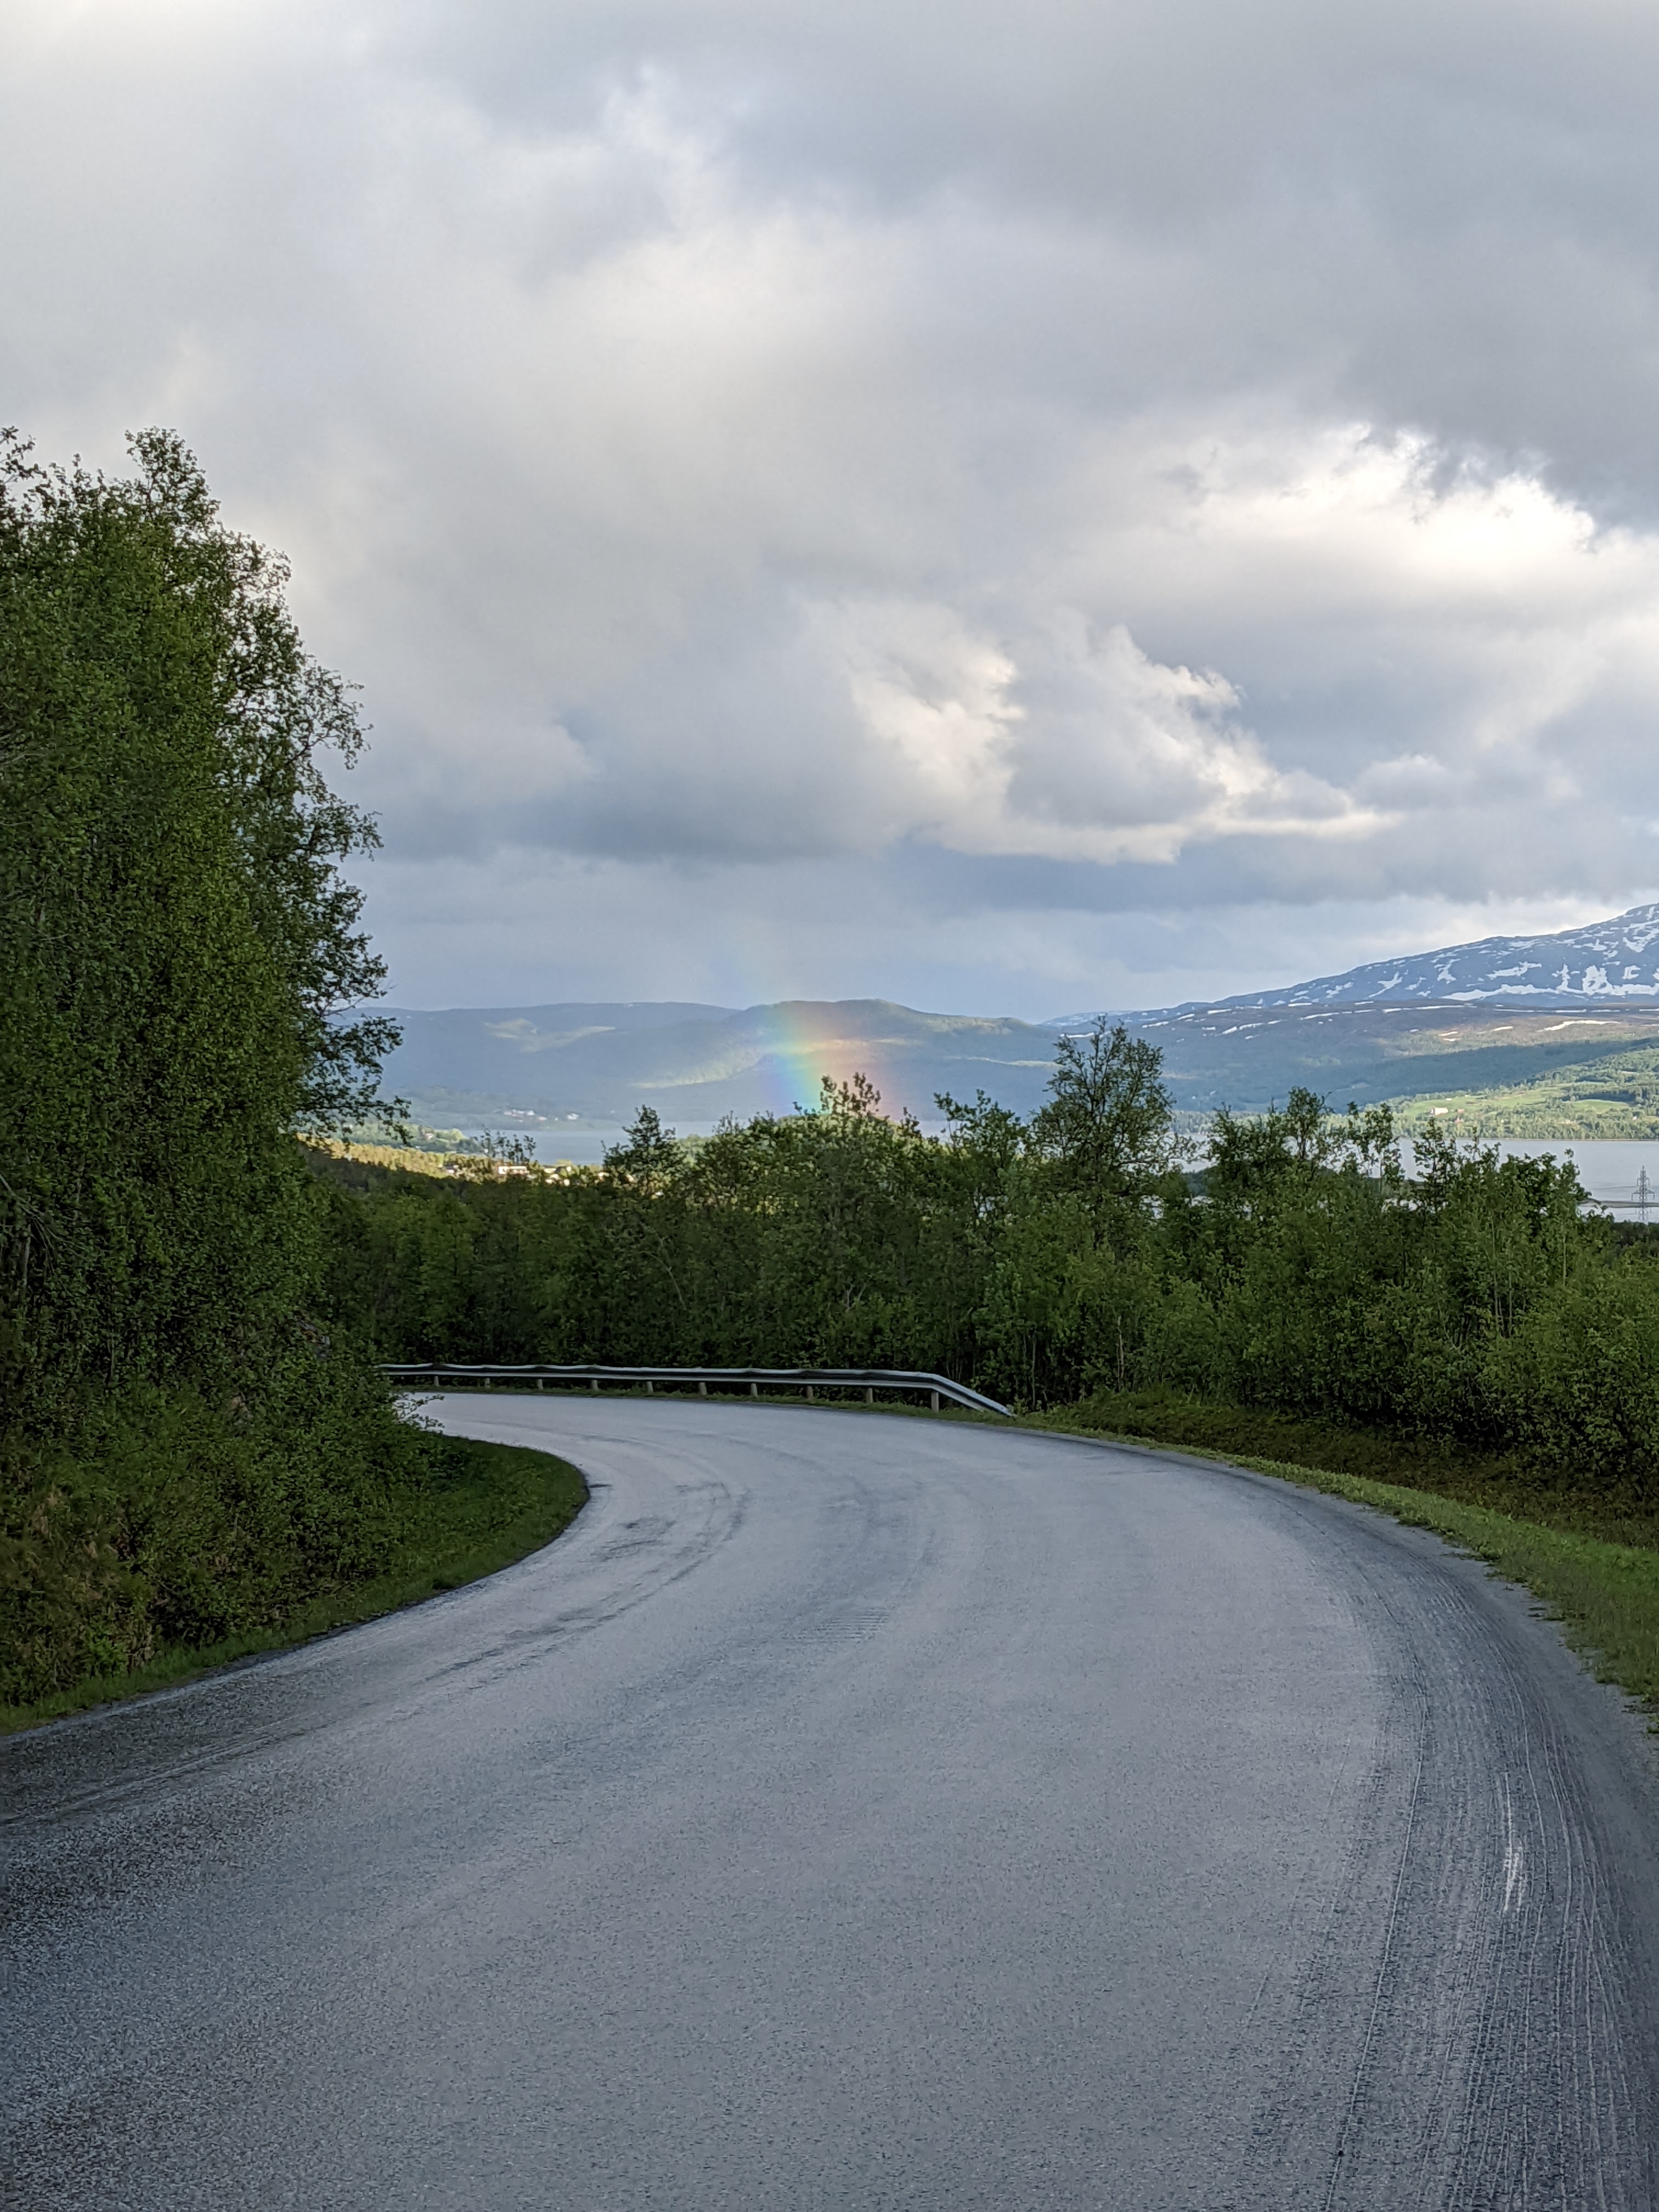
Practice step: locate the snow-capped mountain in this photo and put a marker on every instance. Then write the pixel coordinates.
(1616, 960)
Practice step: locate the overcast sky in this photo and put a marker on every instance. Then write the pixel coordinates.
(1008, 507)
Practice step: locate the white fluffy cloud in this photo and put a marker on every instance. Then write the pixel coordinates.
(1016, 504)
(1081, 750)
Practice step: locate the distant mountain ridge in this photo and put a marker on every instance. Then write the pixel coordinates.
(1602, 961)
(1505, 1011)
(601, 1062)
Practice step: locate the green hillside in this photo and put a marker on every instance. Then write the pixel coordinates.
(1615, 1095)
(1250, 1059)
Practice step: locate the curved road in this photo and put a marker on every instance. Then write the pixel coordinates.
(853, 1811)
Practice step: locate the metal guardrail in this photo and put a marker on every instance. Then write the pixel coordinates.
(724, 1379)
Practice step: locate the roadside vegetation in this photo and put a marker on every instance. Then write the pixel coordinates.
(192, 1450)
(474, 1508)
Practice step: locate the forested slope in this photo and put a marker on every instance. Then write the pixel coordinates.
(1615, 1095)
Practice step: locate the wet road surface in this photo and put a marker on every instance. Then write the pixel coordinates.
(855, 1812)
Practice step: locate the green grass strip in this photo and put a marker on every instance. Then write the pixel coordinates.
(1605, 1596)
(507, 1502)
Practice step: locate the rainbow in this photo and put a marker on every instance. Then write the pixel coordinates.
(804, 1045)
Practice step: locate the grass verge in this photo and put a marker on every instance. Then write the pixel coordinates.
(1553, 1541)
(497, 1503)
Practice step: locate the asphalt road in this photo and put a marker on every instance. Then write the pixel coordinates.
(856, 1812)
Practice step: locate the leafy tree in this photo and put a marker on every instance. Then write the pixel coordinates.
(1254, 1159)
(176, 938)
(1106, 1129)
(184, 1448)
(647, 1160)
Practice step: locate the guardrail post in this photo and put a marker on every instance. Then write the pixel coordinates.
(593, 1384)
(809, 1389)
(489, 1381)
(754, 1389)
(650, 1389)
(933, 1394)
(541, 1381)
(702, 1390)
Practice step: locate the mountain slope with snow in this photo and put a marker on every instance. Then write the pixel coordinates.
(1605, 961)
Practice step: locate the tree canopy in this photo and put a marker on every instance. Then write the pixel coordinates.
(175, 936)
(187, 1447)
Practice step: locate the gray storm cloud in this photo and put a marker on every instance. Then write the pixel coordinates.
(1000, 506)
